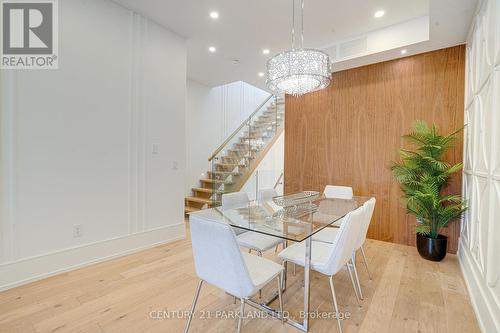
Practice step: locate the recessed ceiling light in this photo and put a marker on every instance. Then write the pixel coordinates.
(403, 51)
(265, 51)
(214, 15)
(260, 74)
(379, 13)
(212, 49)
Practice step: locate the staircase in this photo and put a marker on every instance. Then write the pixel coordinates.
(237, 157)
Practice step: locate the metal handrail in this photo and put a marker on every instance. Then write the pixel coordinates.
(245, 122)
(278, 181)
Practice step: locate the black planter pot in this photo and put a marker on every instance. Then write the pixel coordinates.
(432, 248)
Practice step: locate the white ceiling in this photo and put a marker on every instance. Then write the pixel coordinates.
(244, 28)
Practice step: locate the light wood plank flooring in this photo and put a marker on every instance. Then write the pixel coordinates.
(407, 294)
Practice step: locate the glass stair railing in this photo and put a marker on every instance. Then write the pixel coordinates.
(234, 161)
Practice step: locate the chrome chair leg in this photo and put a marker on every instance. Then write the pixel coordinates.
(277, 246)
(283, 274)
(356, 276)
(335, 306)
(260, 290)
(366, 262)
(195, 300)
(353, 284)
(240, 317)
(280, 297)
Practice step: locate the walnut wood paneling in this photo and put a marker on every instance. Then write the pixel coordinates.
(349, 133)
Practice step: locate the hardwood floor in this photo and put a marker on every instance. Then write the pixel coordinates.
(407, 294)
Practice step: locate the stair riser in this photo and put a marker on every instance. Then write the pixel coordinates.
(231, 160)
(243, 151)
(256, 133)
(244, 147)
(211, 182)
(194, 205)
(222, 176)
(203, 195)
(232, 168)
(267, 119)
(192, 202)
(206, 192)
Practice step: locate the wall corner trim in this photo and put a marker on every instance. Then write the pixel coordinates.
(488, 319)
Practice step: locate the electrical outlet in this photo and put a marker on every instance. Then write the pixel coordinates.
(77, 231)
(175, 165)
(155, 148)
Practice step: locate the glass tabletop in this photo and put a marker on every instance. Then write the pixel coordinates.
(295, 222)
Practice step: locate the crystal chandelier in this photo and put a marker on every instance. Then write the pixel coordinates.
(299, 70)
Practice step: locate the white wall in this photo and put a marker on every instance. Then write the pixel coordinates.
(480, 236)
(212, 114)
(76, 144)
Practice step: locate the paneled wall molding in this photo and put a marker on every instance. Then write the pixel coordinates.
(7, 169)
(482, 300)
(480, 234)
(75, 145)
(138, 149)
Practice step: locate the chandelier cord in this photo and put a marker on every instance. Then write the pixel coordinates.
(293, 24)
(302, 25)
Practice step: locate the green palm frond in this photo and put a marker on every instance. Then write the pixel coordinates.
(454, 168)
(422, 174)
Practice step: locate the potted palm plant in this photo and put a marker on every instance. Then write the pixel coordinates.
(423, 174)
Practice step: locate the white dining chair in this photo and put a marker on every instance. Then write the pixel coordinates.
(219, 261)
(234, 200)
(266, 194)
(338, 192)
(328, 235)
(250, 240)
(369, 207)
(330, 258)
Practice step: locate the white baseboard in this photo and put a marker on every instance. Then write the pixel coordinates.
(487, 312)
(27, 270)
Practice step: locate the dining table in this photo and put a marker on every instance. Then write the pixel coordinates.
(290, 222)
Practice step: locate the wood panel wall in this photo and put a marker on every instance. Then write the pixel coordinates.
(349, 133)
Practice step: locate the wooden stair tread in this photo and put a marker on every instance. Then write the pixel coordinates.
(206, 190)
(253, 149)
(200, 200)
(231, 164)
(232, 173)
(218, 181)
(188, 209)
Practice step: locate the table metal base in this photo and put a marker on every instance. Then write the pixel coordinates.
(304, 326)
